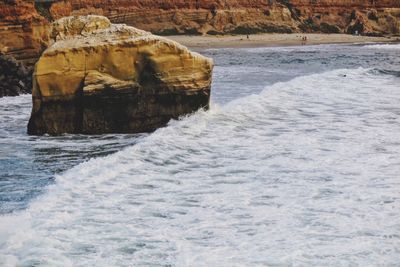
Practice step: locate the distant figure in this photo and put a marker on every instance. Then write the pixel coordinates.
(303, 40)
(248, 37)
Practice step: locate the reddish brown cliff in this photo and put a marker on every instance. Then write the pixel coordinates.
(373, 17)
(243, 16)
(190, 17)
(23, 34)
(23, 31)
(23, 23)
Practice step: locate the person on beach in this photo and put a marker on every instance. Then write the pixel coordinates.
(303, 40)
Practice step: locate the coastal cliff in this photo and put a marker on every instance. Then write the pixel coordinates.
(23, 36)
(369, 17)
(24, 24)
(23, 31)
(243, 16)
(99, 77)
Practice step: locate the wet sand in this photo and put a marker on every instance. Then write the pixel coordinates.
(260, 40)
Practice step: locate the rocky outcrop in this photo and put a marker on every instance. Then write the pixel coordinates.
(24, 23)
(23, 31)
(100, 77)
(243, 16)
(187, 16)
(15, 78)
(370, 17)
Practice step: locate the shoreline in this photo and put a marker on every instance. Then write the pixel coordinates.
(275, 39)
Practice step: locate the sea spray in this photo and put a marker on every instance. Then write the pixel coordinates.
(304, 172)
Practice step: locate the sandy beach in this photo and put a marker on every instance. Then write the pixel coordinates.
(260, 40)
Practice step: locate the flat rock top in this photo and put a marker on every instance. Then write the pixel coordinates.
(91, 50)
(88, 31)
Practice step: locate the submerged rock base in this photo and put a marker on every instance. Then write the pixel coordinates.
(103, 78)
(126, 111)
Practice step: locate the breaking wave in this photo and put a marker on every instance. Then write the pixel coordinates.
(383, 46)
(305, 172)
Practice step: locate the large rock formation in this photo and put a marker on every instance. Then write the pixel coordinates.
(100, 77)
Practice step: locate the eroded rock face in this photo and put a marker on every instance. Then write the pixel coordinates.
(242, 16)
(100, 77)
(343, 16)
(23, 31)
(167, 17)
(15, 78)
(24, 23)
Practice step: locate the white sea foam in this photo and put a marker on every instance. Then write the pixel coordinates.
(383, 46)
(291, 48)
(304, 173)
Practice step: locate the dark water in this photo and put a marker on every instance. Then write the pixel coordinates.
(297, 162)
(28, 164)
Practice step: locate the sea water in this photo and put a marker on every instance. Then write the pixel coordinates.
(297, 163)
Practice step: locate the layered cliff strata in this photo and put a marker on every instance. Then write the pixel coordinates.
(187, 17)
(370, 17)
(23, 23)
(100, 77)
(243, 16)
(23, 31)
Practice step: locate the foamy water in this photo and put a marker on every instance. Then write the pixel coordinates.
(383, 46)
(305, 173)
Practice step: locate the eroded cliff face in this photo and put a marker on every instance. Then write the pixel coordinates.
(23, 36)
(24, 24)
(23, 31)
(370, 17)
(243, 16)
(186, 17)
(100, 78)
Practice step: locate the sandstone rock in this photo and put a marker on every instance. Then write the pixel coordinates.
(23, 31)
(100, 77)
(24, 24)
(333, 16)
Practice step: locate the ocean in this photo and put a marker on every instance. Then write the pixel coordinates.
(297, 163)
